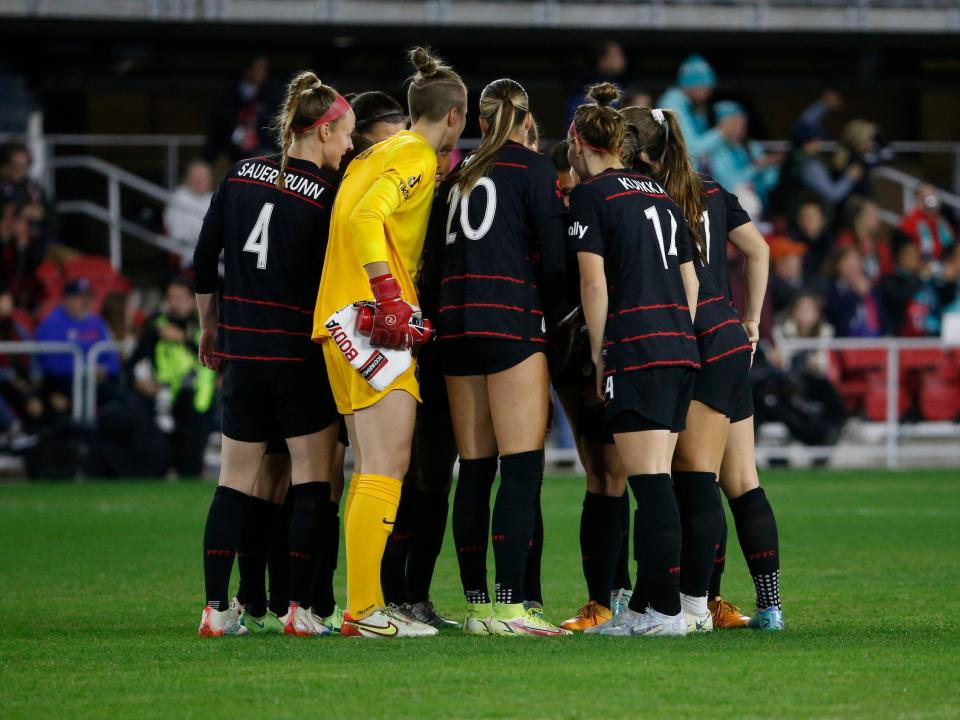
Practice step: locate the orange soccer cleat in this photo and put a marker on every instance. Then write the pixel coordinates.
(726, 614)
(590, 615)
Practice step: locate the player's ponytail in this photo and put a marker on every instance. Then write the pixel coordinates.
(435, 88)
(597, 125)
(504, 104)
(306, 102)
(657, 133)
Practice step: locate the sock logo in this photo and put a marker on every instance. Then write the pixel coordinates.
(388, 522)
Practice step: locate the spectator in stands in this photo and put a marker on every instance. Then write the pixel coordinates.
(809, 226)
(861, 228)
(937, 295)
(853, 303)
(240, 125)
(688, 99)
(166, 372)
(786, 276)
(21, 408)
(861, 144)
(926, 226)
(804, 172)
(610, 64)
(72, 321)
(183, 216)
(804, 320)
(119, 313)
(20, 255)
(740, 164)
(899, 288)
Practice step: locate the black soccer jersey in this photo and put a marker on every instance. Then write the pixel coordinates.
(628, 218)
(273, 244)
(722, 214)
(503, 264)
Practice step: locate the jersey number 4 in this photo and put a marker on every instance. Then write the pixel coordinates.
(490, 190)
(654, 217)
(258, 241)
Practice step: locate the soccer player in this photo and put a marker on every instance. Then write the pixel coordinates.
(638, 293)
(376, 238)
(720, 423)
(270, 217)
(502, 278)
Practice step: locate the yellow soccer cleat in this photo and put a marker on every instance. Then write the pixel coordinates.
(726, 615)
(590, 615)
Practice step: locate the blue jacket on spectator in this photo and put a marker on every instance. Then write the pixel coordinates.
(732, 163)
(60, 325)
(694, 122)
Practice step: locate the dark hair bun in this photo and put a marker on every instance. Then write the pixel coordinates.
(426, 63)
(603, 94)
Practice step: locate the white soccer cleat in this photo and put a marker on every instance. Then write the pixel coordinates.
(477, 621)
(385, 623)
(303, 623)
(699, 623)
(216, 623)
(655, 623)
(618, 626)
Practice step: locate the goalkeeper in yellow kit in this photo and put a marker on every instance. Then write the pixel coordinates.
(376, 237)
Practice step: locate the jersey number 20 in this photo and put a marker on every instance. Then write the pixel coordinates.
(654, 216)
(258, 241)
(490, 190)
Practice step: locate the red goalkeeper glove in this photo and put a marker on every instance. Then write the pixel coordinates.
(391, 315)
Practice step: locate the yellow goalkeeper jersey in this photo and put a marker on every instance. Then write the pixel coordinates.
(380, 214)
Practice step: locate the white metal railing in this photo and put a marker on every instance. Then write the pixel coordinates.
(893, 346)
(53, 347)
(94, 353)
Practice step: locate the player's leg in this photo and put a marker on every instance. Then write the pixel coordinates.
(755, 522)
(323, 603)
(477, 445)
(518, 399)
(696, 461)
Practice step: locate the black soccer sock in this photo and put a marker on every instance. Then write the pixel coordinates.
(222, 537)
(621, 570)
(513, 520)
(252, 560)
(278, 561)
(720, 559)
(430, 523)
(308, 501)
(393, 568)
(701, 521)
(657, 535)
(328, 548)
(532, 586)
(599, 544)
(757, 531)
(471, 525)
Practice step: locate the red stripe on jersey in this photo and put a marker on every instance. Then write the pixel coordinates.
(538, 340)
(496, 306)
(634, 338)
(510, 164)
(739, 348)
(711, 300)
(711, 192)
(632, 192)
(296, 170)
(261, 358)
(268, 303)
(731, 321)
(671, 306)
(284, 191)
(270, 331)
(471, 276)
(481, 333)
(655, 363)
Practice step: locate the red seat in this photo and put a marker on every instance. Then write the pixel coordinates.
(863, 360)
(922, 359)
(875, 401)
(939, 399)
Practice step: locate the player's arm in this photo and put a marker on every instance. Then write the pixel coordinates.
(550, 227)
(688, 272)
(756, 253)
(206, 262)
(395, 186)
(586, 239)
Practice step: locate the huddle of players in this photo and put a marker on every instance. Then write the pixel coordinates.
(651, 367)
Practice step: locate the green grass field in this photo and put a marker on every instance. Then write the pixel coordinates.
(101, 592)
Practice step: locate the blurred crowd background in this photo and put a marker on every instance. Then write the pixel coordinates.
(796, 130)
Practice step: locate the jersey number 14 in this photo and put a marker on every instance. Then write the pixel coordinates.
(654, 217)
(258, 241)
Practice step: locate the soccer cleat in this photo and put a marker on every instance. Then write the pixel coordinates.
(619, 600)
(650, 622)
(699, 623)
(385, 624)
(269, 624)
(770, 619)
(216, 623)
(726, 614)
(425, 613)
(333, 621)
(301, 622)
(619, 625)
(590, 615)
(477, 621)
(511, 619)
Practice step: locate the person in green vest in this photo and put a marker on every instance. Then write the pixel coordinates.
(165, 371)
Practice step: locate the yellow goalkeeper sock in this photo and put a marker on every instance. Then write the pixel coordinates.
(351, 491)
(368, 525)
